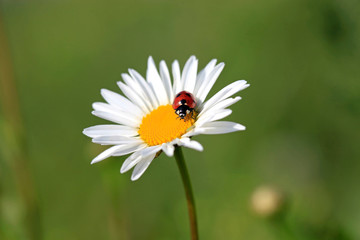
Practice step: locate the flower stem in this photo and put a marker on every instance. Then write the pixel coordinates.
(188, 191)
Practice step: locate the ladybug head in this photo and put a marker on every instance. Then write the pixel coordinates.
(182, 115)
(182, 111)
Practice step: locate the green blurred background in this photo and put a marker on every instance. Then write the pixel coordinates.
(302, 114)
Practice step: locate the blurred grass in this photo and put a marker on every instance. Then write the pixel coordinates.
(302, 114)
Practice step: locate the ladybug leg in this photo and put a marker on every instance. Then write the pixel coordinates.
(192, 114)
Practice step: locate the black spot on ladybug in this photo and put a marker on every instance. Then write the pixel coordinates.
(188, 95)
(178, 95)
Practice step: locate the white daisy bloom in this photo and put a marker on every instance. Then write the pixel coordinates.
(145, 121)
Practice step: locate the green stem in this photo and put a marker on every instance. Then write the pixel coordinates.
(188, 191)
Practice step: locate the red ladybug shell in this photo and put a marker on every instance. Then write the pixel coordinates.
(184, 95)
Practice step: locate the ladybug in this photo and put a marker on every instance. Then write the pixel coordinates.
(184, 103)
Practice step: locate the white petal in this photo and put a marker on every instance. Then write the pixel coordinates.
(130, 162)
(150, 150)
(130, 82)
(105, 154)
(165, 76)
(135, 86)
(194, 132)
(116, 140)
(168, 149)
(137, 89)
(219, 105)
(186, 142)
(141, 167)
(116, 118)
(221, 127)
(137, 157)
(177, 77)
(110, 130)
(221, 114)
(146, 88)
(203, 74)
(155, 81)
(129, 148)
(134, 97)
(189, 133)
(213, 116)
(208, 82)
(188, 76)
(121, 102)
(226, 92)
(104, 107)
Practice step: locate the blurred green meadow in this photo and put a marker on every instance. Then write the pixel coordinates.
(302, 113)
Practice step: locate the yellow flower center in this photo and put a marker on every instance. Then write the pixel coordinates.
(163, 125)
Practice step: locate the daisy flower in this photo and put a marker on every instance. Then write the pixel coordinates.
(146, 123)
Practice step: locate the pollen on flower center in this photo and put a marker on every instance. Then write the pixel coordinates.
(163, 125)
